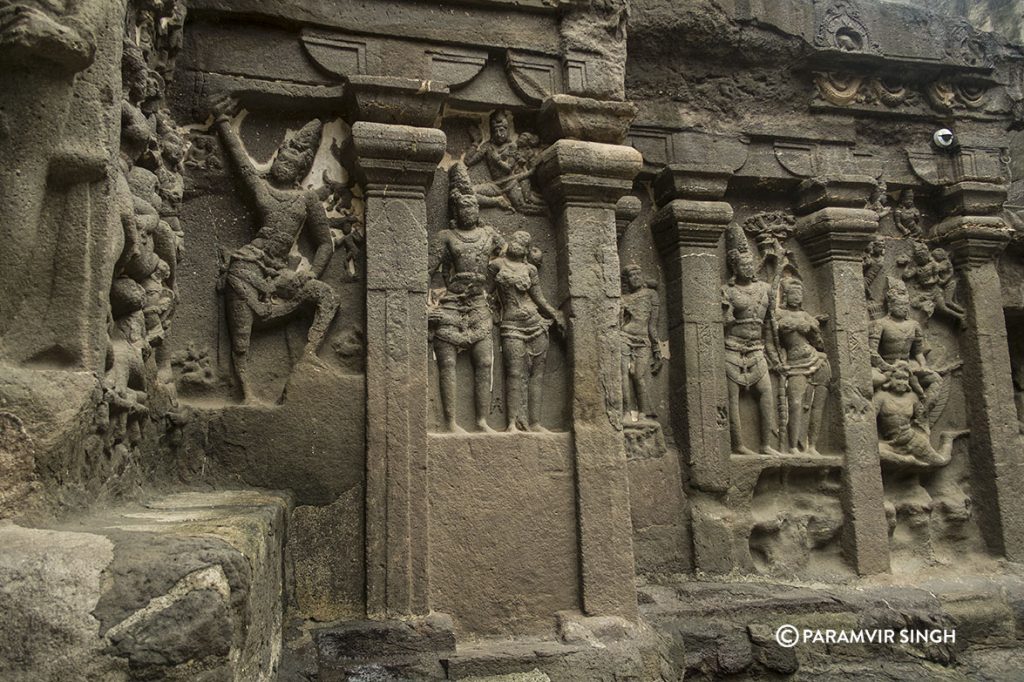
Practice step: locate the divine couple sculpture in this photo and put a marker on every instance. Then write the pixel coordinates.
(762, 337)
(476, 263)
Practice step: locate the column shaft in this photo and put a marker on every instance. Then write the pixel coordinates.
(583, 181)
(396, 164)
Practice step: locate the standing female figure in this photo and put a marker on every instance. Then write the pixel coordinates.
(525, 318)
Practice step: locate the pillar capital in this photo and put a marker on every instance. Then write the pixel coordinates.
(684, 223)
(587, 173)
(972, 197)
(683, 181)
(585, 119)
(833, 223)
(400, 156)
(972, 240)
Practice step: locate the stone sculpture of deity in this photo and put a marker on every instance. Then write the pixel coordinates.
(641, 353)
(525, 316)
(747, 304)
(462, 319)
(510, 163)
(260, 286)
(931, 273)
(907, 216)
(903, 423)
(898, 339)
(804, 370)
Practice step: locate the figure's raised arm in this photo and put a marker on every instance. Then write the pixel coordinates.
(222, 108)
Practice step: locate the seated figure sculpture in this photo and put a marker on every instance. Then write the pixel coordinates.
(902, 423)
(259, 284)
(462, 318)
(525, 317)
(899, 338)
(510, 163)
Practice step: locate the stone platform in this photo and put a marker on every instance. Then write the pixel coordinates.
(187, 586)
(726, 630)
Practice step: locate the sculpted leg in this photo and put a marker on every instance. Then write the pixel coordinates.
(326, 301)
(240, 319)
(514, 355)
(446, 354)
(766, 406)
(536, 374)
(821, 380)
(481, 354)
(640, 382)
(735, 424)
(796, 392)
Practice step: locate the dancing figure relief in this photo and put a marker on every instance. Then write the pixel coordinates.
(260, 284)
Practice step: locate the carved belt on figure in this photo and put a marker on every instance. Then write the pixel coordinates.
(745, 361)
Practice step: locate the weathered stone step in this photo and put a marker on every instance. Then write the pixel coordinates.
(187, 586)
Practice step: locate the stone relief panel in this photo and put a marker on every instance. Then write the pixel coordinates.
(283, 260)
(497, 337)
(779, 377)
(911, 288)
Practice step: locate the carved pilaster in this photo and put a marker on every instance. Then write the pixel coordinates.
(583, 181)
(975, 238)
(835, 228)
(688, 232)
(396, 163)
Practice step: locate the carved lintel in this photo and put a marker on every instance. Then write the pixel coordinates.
(572, 171)
(582, 118)
(402, 101)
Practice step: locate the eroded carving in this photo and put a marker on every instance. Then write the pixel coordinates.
(747, 303)
(525, 316)
(907, 216)
(804, 370)
(641, 347)
(258, 282)
(932, 276)
(461, 318)
(510, 159)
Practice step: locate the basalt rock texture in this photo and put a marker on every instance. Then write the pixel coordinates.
(578, 339)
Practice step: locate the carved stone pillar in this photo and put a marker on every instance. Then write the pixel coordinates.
(395, 164)
(975, 237)
(835, 227)
(688, 227)
(583, 180)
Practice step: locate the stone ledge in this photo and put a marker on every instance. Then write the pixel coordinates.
(188, 585)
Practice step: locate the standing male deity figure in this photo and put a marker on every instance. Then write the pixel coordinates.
(462, 319)
(641, 352)
(260, 286)
(804, 367)
(747, 304)
(525, 316)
